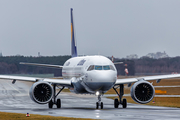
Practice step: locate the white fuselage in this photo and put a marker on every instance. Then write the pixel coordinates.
(90, 73)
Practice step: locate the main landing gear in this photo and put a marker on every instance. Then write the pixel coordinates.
(120, 94)
(54, 101)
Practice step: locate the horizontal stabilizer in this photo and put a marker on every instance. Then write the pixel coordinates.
(42, 65)
(118, 63)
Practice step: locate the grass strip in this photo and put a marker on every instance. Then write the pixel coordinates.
(19, 116)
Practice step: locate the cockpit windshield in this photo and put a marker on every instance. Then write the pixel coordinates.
(91, 68)
(106, 67)
(98, 67)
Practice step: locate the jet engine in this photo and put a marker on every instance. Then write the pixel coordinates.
(142, 92)
(41, 92)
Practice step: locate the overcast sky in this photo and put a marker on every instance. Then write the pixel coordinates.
(105, 27)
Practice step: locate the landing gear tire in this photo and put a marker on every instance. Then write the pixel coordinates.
(116, 103)
(97, 105)
(120, 95)
(54, 101)
(124, 104)
(58, 103)
(51, 104)
(101, 105)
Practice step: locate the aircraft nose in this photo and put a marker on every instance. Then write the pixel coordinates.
(101, 81)
(104, 76)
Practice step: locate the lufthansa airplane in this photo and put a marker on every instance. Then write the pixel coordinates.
(88, 75)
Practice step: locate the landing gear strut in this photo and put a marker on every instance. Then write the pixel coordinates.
(99, 103)
(120, 94)
(54, 101)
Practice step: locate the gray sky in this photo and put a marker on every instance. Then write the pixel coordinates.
(106, 27)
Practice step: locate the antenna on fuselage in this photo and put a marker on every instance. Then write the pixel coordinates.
(73, 42)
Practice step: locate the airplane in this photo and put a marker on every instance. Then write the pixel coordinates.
(88, 75)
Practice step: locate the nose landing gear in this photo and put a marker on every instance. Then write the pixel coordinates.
(99, 103)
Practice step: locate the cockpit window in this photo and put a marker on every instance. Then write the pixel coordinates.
(106, 67)
(98, 67)
(112, 68)
(91, 68)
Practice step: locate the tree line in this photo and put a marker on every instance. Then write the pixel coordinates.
(149, 66)
(10, 65)
(163, 65)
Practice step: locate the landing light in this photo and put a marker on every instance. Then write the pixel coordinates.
(97, 93)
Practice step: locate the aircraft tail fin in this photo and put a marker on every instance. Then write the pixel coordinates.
(73, 42)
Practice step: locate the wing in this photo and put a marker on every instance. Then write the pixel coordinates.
(158, 78)
(62, 82)
(42, 65)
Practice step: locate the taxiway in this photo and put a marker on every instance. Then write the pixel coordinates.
(15, 98)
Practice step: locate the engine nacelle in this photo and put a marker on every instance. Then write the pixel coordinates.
(142, 92)
(41, 92)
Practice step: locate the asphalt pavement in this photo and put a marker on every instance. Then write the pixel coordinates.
(15, 98)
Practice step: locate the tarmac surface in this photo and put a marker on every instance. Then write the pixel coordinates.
(114, 95)
(15, 98)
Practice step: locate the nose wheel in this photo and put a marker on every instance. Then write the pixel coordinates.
(99, 103)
